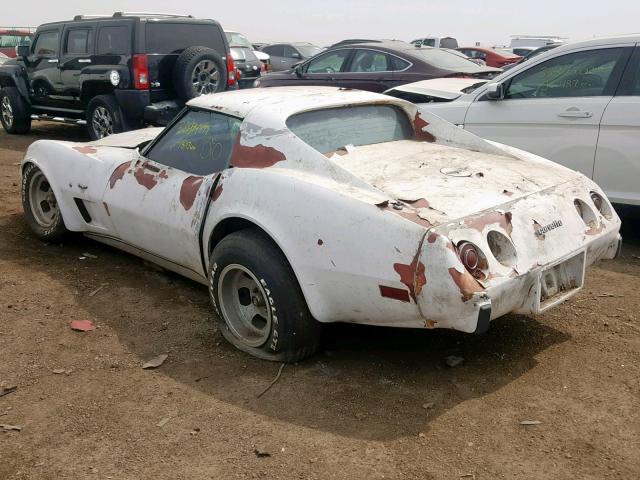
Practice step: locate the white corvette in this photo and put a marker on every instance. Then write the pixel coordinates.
(301, 206)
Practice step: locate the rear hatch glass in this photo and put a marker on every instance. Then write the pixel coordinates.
(332, 129)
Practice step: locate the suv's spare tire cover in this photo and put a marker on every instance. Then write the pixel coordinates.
(199, 70)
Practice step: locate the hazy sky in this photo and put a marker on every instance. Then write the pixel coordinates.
(324, 22)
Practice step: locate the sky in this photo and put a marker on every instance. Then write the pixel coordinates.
(325, 22)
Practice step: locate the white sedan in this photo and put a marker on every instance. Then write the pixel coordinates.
(302, 206)
(578, 105)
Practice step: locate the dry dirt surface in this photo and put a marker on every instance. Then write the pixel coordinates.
(373, 403)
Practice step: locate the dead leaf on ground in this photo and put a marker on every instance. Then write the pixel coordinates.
(156, 362)
(82, 325)
(163, 422)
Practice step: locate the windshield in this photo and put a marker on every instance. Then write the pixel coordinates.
(236, 39)
(333, 129)
(13, 40)
(443, 59)
(308, 50)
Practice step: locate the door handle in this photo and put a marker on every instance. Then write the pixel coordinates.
(575, 114)
(53, 60)
(84, 60)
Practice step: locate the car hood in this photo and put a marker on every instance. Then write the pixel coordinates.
(445, 183)
(130, 139)
(445, 88)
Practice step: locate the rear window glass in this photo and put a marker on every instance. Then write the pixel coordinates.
(175, 37)
(114, 40)
(443, 59)
(332, 129)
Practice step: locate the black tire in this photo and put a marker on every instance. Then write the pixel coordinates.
(184, 72)
(292, 334)
(49, 232)
(14, 111)
(104, 117)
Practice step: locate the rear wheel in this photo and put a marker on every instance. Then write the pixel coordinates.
(260, 306)
(14, 111)
(40, 205)
(104, 117)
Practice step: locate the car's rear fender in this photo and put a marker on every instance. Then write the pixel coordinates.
(342, 247)
(13, 76)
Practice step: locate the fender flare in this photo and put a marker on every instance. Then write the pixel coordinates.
(15, 76)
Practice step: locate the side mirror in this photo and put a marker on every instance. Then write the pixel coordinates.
(23, 50)
(296, 55)
(495, 91)
(297, 69)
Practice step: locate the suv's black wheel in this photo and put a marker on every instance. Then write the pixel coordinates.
(198, 71)
(260, 306)
(14, 111)
(104, 117)
(41, 208)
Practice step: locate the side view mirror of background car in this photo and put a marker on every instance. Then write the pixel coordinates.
(23, 50)
(296, 55)
(495, 91)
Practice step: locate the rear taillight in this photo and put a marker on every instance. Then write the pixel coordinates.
(601, 205)
(140, 72)
(263, 67)
(231, 71)
(469, 256)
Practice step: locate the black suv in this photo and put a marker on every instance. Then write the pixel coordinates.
(114, 73)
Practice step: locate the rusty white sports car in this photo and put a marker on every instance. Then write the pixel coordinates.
(302, 206)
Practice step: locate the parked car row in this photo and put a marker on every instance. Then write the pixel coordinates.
(576, 104)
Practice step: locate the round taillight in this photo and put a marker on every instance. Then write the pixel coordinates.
(469, 256)
(601, 204)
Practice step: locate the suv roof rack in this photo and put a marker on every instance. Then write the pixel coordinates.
(132, 14)
(150, 14)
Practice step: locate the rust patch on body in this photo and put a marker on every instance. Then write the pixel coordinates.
(466, 283)
(86, 150)
(118, 174)
(189, 190)
(259, 156)
(419, 203)
(394, 293)
(412, 215)
(536, 231)
(163, 174)
(147, 180)
(507, 193)
(502, 219)
(106, 207)
(594, 228)
(430, 323)
(412, 275)
(419, 124)
(216, 193)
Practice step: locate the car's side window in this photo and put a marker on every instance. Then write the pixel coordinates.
(330, 62)
(46, 44)
(114, 40)
(369, 61)
(290, 52)
(274, 50)
(77, 42)
(580, 74)
(397, 64)
(200, 142)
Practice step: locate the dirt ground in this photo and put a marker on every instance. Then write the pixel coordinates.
(373, 403)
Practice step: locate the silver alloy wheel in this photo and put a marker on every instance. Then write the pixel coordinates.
(102, 122)
(7, 112)
(205, 77)
(244, 305)
(44, 206)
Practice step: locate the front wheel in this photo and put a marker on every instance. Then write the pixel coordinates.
(40, 205)
(104, 117)
(14, 111)
(260, 306)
